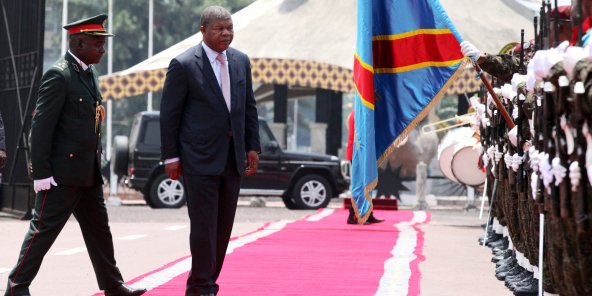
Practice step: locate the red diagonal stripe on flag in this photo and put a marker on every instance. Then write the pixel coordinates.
(415, 50)
(364, 81)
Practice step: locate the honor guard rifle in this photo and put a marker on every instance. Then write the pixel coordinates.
(579, 111)
(556, 26)
(551, 198)
(538, 141)
(521, 95)
(561, 144)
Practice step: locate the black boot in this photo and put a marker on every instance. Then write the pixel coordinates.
(530, 288)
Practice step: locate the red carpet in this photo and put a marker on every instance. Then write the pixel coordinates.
(318, 255)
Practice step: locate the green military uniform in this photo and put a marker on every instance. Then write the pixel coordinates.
(65, 145)
(502, 66)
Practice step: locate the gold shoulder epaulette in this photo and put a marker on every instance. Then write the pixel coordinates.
(61, 65)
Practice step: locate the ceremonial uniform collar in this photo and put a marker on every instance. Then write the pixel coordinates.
(81, 63)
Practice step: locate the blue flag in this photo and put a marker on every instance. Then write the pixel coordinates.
(407, 54)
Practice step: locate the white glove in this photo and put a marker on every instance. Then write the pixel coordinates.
(513, 136)
(508, 92)
(44, 184)
(530, 81)
(562, 47)
(469, 50)
(539, 65)
(588, 49)
(546, 60)
(552, 57)
(572, 56)
(516, 80)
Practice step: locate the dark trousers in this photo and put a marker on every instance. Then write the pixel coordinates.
(53, 208)
(211, 202)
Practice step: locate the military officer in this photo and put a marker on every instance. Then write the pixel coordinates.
(65, 154)
(503, 65)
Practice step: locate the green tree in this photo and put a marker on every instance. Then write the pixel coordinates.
(174, 21)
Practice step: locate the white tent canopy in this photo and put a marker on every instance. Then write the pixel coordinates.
(310, 43)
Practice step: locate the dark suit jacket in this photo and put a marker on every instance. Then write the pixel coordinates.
(194, 119)
(64, 143)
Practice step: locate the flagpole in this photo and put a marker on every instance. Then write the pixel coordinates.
(64, 22)
(497, 101)
(113, 197)
(150, 45)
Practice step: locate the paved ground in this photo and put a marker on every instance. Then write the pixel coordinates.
(145, 239)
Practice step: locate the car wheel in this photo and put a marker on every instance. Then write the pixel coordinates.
(166, 193)
(312, 192)
(289, 202)
(120, 155)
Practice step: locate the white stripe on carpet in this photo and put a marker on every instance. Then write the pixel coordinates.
(395, 280)
(163, 276)
(3, 270)
(70, 251)
(176, 227)
(132, 237)
(322, 214)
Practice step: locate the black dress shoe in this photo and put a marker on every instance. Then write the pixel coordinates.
(373, 219)
(124, 290)
(355, 221)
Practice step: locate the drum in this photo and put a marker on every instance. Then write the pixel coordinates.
(445, 161)
(446, 149)
(465, 163)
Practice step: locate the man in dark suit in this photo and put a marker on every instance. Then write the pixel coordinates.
(2, 145)
(209, 124)
(65, 154)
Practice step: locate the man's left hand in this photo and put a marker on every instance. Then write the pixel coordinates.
(252, 163)
(101, 110)
(2, 158)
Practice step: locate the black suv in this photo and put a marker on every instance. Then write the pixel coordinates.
(303, 180)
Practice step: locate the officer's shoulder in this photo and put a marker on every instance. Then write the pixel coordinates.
(61, 65)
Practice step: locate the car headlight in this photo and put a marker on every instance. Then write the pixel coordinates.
(345, 166)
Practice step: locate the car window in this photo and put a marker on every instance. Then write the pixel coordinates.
(264, 136)
(135, 131)
(152, 133)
